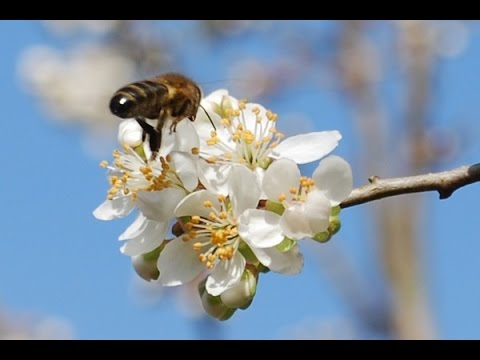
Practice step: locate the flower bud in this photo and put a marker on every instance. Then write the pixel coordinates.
(146, 269)
(130, 133)
(242, 293)
(213, 305)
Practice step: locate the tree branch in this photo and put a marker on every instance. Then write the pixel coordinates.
(445, 182)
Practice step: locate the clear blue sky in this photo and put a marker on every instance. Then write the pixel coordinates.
(56, 259)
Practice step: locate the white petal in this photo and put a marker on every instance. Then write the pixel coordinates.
(130, 133)
(150, 238)
(225, 275)
(280, 176)
(260, 228)
(309, 147)
(135, 228)
(186, 137)
(159, 205)
(290, 262)
(243, 189)
(178, 263)
(186, 169)
(193, 204)
(294, 222)
(114, 209)
(215, 97)
(214, 177)
(317, 211)
(333, 177)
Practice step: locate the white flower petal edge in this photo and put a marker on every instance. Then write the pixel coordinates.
(225, 275)
(178, 263)
(333, 177)
(159, 205)
(243, 189)
(280, 176)
(294, 222)
(289, 262)
(147, 240)
(185, 168)
(114, 209)
(214, 177)
(309, 147)
(260, 228)
(135, 228)
(193, 204)
(317, 212)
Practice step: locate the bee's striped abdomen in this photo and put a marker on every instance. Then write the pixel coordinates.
(140, 99)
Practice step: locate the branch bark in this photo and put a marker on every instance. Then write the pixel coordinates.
(445, 183)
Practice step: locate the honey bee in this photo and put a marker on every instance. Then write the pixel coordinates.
(167, 96)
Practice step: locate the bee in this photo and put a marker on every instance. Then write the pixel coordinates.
(167, 96)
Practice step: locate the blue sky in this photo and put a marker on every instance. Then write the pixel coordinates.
(56, 259)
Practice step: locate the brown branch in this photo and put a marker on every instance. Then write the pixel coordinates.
(445, 183)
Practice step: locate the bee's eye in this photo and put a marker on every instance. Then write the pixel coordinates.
(121, 106)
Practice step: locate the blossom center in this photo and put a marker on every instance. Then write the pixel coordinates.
(215, 236)
(132, 174)
(248, 138)
(297, 193)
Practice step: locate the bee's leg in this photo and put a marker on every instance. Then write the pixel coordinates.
(154, 136)
(180, 111)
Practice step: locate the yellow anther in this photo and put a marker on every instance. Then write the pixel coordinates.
(256, 110)
(186, 238)
(104, 163)
(197, 246)
(242, 105)
(126, 191)
(118, 184)
(211, 257)
(208, 204)
(195, 151)
(116, 153)
(269, 115)
(212, 160)
(110, 197)
(210, 265)
(212, 141)
(282, 197)
(248, 136)
(236, 112)
(195, 219)
(292, 190)
(221, 198)
(113, 190)
(117, 163)
(192, 233)
(258, 120)
(113, 179)
(223, 215)
(226, 122)
(202, 258)
(212, 216)
(213, 134)
(169, 158)
(125, 147)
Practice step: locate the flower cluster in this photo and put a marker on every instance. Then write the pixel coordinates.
(232, 195)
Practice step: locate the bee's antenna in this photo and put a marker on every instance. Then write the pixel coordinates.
(209, 118)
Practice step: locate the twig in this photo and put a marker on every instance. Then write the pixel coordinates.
(445, 183)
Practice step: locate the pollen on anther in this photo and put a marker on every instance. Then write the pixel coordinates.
(208, 204)
(185, 238)
(195, 151)
(293, 190)
(197, 246)
(281, 197)
(195, 219)
(104, 164)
